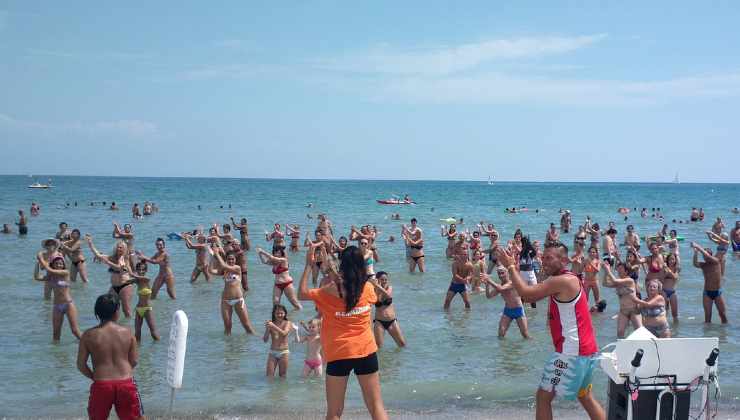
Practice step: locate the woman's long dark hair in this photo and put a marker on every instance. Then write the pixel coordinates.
(527, 248)
(352, 267)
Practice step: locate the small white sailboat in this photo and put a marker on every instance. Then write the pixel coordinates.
(39, 186)
(675, 179)
(490, 181)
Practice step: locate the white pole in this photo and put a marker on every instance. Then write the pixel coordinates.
(172, 401)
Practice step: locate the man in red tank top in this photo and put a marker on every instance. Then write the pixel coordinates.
(569, 370)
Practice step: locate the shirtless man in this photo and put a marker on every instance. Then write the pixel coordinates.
(712, 270)
(610, 248)
(114, 357)
(631, 238)
(201, 257)
(462, 271)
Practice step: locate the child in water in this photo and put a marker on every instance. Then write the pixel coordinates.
(144, 311)
(513, 309)
(313, 362)
(278, 329)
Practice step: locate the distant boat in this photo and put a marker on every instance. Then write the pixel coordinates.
(39, 186)
(675, 179)
(490, 181)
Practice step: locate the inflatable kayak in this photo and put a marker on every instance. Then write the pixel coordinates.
(395, 202)
(449, 220)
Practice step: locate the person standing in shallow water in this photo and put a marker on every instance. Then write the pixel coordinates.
(569, 371)
(114, 356)
(711, 268)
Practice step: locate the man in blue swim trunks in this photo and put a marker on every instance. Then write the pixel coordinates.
(462, 272)
(513, 309)
(711, 267)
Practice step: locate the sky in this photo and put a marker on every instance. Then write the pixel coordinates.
(526, 91)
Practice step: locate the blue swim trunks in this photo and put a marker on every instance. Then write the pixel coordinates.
(457, 287)
(569, 377)
(713, 294)
(514, 313)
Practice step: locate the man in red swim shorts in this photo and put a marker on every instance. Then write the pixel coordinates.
(114, 354)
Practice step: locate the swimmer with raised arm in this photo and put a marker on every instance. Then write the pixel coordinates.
(462, 271)
(144, 310)
(232, 297)
(283, 281)
(201, 256)
(72, 249)
(120, 270)
(385, 313)
(513, 308)
(624, 285)
(568, 373)
(58, 278)
(165, 276)
(711, 268)
(243, 233)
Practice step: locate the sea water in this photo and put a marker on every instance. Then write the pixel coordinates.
(454, 359)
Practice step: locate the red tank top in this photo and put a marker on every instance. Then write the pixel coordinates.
(570, 325)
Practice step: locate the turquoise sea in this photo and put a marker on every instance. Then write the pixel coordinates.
(454, 359)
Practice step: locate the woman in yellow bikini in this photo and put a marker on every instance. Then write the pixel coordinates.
(143, 307)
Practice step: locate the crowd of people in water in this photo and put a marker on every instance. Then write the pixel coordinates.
(341, 279)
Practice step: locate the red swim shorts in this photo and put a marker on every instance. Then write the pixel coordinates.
(121, 393)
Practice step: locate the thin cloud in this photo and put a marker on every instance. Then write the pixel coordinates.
(452, 59)
(503, 88)
(126, 128)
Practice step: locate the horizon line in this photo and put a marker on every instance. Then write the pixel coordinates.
(374, 179)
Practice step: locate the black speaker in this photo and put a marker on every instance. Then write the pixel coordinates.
(646, 404)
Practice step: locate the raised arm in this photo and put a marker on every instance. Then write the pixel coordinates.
(51, 270)
(303, 285)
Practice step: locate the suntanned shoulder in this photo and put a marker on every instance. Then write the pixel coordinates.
(566, 284)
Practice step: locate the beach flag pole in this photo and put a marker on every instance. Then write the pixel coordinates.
(176, 353)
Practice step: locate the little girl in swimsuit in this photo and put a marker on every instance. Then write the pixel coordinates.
(278, 329)
(313, 363)
(283, 282)
(143, 308)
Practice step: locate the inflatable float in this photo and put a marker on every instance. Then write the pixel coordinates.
(449, 220)
(173, 236)
(392, 201)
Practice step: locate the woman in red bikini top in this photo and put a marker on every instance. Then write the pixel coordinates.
(654, 264)
(283, 282)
